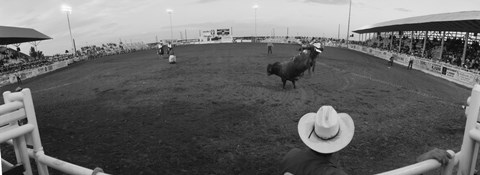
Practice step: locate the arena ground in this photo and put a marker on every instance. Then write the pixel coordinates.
(217, 112)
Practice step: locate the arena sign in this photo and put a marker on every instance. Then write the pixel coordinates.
(216, 35)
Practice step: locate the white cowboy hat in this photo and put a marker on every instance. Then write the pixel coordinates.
(318, 47)
(326, 131)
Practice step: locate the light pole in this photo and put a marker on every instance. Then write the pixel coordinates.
(348, 28)
(170, 11)
(68, 10)
(255, 7)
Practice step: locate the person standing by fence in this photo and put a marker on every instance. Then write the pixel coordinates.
(270, 47)
(170, 47)
(160, 50)
(19, 80)
(410, 62)
(391, 61)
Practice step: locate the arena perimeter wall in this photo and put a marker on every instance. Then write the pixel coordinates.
(29, 73)
(449, 72)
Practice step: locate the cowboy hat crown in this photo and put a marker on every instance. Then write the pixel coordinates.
(326, 131)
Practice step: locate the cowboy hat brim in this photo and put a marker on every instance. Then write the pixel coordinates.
(345, 135)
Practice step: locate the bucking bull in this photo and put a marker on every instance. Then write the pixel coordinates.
(294, 68)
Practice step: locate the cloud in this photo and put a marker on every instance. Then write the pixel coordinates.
(403, 9)
(205, 1)
(330, 2)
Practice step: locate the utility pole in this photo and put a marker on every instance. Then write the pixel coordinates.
(348, 28)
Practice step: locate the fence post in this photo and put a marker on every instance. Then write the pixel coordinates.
(469, 150)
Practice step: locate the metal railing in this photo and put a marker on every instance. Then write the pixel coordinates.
(466, 158)
(19, 133)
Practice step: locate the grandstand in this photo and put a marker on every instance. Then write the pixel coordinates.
(438, 41)
(448, 37)
(446, 45)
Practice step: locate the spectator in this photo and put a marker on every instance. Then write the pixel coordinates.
(269, 46)
(160, 50)
(19, 80)
(391, 61)
(325, 133)
(410, 62)
(170, 47)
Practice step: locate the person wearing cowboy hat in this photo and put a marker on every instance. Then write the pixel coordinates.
(325, 133)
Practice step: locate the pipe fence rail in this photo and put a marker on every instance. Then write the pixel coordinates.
(18, 127)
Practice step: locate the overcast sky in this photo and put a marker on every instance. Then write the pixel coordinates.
(101, 21)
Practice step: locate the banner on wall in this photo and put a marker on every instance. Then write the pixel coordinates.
(458, 75)
(364, 49)
(465, 77)
(436, 68)
(451, 72)
(400, 58)
(41, 70)
(422, 64)
(4, 80)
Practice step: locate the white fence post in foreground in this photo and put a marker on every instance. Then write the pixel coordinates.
(467, 157)
(19, 133)
(469, 150)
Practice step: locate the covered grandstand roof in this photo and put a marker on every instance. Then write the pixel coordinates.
(467, 21)
(12, 35)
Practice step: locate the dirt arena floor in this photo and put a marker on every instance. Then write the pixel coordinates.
(217, 112)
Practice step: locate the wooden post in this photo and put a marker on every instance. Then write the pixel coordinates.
(424, 43)
(411, 44)
(391, 42)
(465, 47)
(400, 43)
(441, 46)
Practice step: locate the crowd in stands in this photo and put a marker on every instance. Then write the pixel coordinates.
(12, 68)
(452, 49)
(12, 60)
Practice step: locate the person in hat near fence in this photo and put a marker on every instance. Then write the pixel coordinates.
(160, 49)
(325, 133)
(411, 58)
(19, 80)
(269, 47)
(391, 61)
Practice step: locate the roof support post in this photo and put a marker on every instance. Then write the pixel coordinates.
(424, 43)
(441, 46)
(391, 42)
(411, 44)
(400, 43)
(465, 47)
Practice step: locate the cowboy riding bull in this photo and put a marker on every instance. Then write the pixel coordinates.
(294, 68)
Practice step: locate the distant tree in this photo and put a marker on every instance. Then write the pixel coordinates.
(33, 53)
(40, 55)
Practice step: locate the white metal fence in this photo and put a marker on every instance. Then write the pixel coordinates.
(18, 127)
(466, 158)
